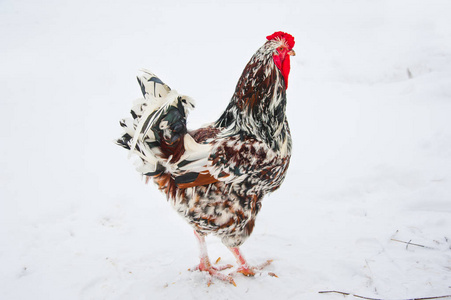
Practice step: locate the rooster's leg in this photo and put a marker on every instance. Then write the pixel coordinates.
(205, 264)
(244, 268)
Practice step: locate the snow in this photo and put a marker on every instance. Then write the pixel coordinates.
(369, 106)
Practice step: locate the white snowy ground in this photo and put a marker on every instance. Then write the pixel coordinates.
(370, 112)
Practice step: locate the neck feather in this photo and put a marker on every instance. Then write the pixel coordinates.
(257, 107)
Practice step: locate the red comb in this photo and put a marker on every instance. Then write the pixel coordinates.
(282, 35)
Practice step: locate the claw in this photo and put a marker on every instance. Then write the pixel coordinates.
(233, 282)
(264, 265)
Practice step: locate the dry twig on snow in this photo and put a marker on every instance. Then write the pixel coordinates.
(409, 243)
(368, 298)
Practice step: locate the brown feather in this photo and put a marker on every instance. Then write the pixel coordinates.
(202, 179)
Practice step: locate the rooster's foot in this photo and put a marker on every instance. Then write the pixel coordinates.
(204, 268)
(213, 271)
(244, 268)
(251, 271)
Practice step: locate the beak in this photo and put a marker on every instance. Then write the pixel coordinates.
(292, 53)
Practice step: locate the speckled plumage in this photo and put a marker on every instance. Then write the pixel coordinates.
(216, 176)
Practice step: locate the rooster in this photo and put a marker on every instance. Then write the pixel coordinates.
(216, 176)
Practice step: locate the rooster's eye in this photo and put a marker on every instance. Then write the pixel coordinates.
(280, 49)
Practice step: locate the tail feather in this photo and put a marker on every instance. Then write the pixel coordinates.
(124, 141)
(151, 85)
(156, 132)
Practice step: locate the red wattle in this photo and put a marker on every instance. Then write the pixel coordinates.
(284, 66)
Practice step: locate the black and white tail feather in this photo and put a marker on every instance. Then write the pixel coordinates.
(159, 118)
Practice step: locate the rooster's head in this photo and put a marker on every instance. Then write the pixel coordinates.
(283, 44)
